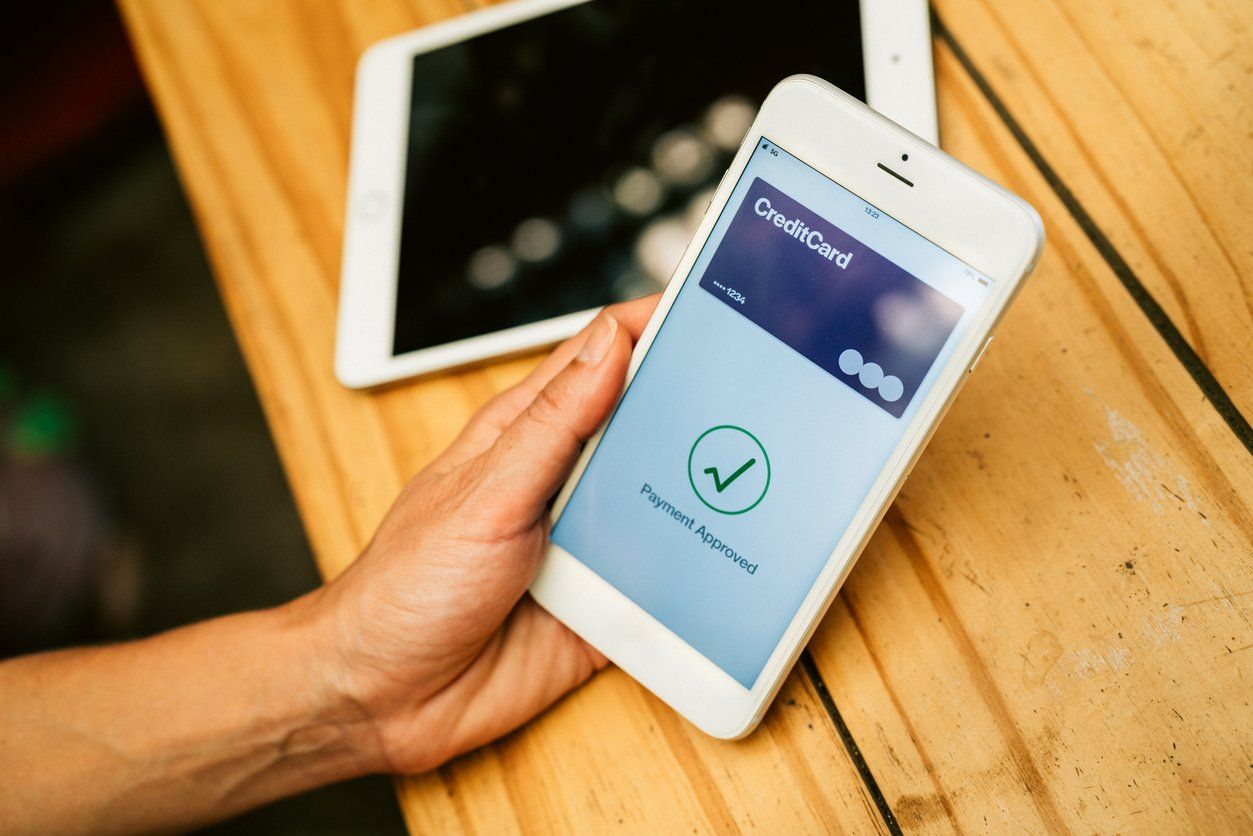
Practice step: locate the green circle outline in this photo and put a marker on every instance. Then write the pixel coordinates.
(692, 453)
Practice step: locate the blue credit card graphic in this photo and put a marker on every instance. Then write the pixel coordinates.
(858, 316)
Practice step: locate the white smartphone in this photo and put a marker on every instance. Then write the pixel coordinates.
(515, 168)
(843, 283)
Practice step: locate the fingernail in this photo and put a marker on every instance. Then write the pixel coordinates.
(599, 339)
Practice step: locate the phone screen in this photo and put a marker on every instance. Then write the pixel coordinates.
(561, 163)
(781, 381)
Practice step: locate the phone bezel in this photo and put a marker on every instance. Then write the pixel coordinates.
(977, 221)
(896, 48)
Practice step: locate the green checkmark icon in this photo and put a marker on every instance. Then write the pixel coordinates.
(720, 485)
(711, 455)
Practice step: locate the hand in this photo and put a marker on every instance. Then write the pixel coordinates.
(431, 634)
(424, 648)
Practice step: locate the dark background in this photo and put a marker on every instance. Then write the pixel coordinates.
(141, 487)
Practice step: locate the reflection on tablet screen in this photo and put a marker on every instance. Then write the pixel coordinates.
(565, 162)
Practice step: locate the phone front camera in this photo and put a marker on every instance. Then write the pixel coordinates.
(904, 157)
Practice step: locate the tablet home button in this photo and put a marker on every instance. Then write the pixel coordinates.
(372, 204)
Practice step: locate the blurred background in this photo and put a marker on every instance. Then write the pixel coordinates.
(139, 488)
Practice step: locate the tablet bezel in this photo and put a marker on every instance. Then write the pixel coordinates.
(896, 46)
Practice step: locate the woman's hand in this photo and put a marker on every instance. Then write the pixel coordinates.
(430, 633)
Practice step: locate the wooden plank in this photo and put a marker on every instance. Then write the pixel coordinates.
(1051, 629)
(255, 99)
(1146, 112)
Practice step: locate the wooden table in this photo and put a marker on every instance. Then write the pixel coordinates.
(1051, 629)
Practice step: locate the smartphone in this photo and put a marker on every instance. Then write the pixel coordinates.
(842, 285)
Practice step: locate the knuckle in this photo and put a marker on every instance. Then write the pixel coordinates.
(549, 412)
(548, 407)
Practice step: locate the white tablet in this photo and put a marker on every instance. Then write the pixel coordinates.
(516, 168)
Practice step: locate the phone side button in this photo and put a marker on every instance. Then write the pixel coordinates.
(979, 356)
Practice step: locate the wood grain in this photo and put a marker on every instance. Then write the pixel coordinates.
(1146, 112)
(1068, 559)
(1051, 629)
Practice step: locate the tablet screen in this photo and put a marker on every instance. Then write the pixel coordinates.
(564, 163)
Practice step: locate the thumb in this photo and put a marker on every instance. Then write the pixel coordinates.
(534, 454)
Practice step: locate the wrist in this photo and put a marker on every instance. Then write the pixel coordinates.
(333, 720)
(368, 671)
